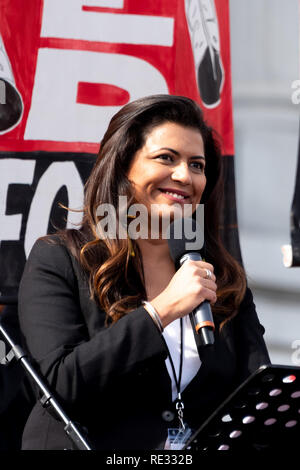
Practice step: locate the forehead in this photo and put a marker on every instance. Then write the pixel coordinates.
(181, 137)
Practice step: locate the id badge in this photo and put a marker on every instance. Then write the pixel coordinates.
(177, 438)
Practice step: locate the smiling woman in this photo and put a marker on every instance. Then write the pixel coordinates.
(169, 167)
(107, 318)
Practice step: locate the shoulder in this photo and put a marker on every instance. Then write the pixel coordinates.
(49, 255)
(50, 247)
(48, 270)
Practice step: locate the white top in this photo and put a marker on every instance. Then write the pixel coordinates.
(191, 360)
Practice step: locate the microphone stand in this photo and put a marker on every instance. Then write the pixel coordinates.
(47, 399)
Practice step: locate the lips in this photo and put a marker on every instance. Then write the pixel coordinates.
(174, 194)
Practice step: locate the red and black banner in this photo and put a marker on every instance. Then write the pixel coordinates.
(66, 67)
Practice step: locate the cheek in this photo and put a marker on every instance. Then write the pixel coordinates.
(142, 189)
(200, 186)
(142, 176)
(133, 174)
(150, 181)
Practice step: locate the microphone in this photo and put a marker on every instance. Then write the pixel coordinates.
(182, 248)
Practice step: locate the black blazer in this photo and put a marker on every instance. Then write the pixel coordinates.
(114, 381)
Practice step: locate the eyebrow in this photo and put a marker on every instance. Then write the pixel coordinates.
(177, 153)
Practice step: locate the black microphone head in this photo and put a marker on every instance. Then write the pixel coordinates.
(184, 236)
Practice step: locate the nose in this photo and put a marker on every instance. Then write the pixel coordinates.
(181, 173)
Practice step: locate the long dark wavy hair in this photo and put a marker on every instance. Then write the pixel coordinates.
(115, 276)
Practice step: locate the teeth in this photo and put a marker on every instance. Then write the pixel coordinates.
(178, 196)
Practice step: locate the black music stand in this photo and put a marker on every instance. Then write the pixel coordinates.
(262, 414)
(48, 401)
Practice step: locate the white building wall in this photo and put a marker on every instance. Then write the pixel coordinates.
(265, 62)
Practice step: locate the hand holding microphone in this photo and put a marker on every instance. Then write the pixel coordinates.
(191, 289)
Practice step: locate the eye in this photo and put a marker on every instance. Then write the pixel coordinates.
(165, 157)
(199, 166)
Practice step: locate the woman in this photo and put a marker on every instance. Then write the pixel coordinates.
(118, 365)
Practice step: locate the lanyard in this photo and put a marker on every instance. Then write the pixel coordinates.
(179, 402)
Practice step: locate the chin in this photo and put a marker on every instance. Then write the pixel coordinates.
(174, 211)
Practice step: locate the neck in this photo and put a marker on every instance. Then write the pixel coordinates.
(158, 266)
(154, 252)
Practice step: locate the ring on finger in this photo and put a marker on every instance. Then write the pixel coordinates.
(208, 274)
